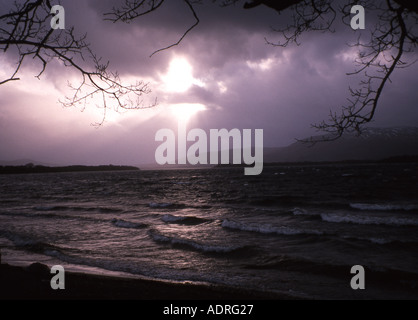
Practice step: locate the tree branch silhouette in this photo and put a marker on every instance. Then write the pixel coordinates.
(393, 36)
(377, 62)
(25, 32)
(133, 9)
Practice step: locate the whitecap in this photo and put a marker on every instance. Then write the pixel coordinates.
(266, 228)
(127, 224)
(368, 220)
(383, 207)
(160, 205)
(192, 244)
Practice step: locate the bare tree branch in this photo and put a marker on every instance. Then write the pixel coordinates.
(25, 29)
(187, 31)
(377, 60)
(25, 32)
(393, 36)
(133, 9)
(308, 15)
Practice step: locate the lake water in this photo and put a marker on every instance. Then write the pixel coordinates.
(297, 230)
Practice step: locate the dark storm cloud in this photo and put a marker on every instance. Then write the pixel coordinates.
(223, 34)
(246, 83)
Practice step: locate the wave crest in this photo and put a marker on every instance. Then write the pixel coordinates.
(384, 207)
(266, 228)
(169, 218)
(206, 248)
(369, 220)
(127, 224)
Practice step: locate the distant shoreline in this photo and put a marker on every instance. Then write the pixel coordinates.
(30, 168)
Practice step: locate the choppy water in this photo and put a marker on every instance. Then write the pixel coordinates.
(295, 229)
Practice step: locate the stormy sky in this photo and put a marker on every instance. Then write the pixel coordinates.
(223, 70)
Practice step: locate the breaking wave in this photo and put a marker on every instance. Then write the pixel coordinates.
(384, 207)
(127, 224)
(160, 205)
(169, 218)
(302, 212)
(369, 220)
(172, 205)
(202, 247)
(267, 228)
(30, 244)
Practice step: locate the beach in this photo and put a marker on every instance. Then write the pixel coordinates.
(33, 283)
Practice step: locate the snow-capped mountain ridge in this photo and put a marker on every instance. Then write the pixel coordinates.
(389, 132)
(372, 144)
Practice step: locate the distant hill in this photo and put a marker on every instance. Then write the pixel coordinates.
(373, 144)
(394, 144)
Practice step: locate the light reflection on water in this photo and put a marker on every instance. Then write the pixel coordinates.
(276, 232)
